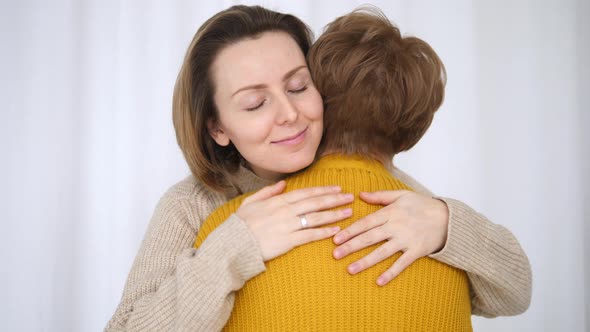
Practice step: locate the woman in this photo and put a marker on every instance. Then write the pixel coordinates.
(246, 113)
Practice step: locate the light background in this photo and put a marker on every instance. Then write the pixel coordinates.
(88, 146)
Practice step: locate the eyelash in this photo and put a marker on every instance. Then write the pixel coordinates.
(256, 107)
(300, 90)
(262, 103)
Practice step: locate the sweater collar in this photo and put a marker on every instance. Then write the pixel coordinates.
(246, 181)
(338, 160)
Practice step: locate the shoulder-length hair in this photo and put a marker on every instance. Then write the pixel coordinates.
(193, 104)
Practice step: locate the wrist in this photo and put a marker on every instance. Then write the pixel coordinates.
(442, 215)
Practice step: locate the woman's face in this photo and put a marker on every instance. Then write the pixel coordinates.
(268, 106)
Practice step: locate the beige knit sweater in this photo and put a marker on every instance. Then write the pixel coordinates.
(174, 287)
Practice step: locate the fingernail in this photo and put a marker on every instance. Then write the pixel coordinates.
(381, 281)
(348, 196)
(347, 212)
(335, 229)
(337, 253)
(353, 268)
(338, 238)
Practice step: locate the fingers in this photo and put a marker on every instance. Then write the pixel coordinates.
(266, 192)
(362, 241)
(300, 194)
(325, 217)
(313, 234)
(400, 264)
(383, 252)
(360, 226)
(384, 197)
(320, 203)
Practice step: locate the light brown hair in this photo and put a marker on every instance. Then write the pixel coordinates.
(380, 89)
(193, 104)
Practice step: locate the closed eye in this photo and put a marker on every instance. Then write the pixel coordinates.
(299, 90)
(256, 107)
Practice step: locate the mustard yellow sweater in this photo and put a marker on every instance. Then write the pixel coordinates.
(308, 290)
(172, 286)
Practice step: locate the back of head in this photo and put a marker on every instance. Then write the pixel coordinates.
(380, 89)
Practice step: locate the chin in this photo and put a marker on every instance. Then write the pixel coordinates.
(299, 164)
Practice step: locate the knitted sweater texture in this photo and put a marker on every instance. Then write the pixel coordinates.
(308, 290)
(174, 287)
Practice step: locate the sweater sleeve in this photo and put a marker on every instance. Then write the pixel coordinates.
(174, 287)
(498, 269)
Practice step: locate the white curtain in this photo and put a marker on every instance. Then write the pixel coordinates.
(88, 145)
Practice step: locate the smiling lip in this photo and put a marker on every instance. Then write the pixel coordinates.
(293, 139)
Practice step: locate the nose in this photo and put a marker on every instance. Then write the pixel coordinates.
(287, 112)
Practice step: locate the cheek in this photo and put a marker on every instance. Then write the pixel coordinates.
(312, 106)
(249, 128)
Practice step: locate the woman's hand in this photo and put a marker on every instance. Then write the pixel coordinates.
(410, 222)
(275, 221)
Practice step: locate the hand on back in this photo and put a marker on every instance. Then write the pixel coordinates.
(274, 217)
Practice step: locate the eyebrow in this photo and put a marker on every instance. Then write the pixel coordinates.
(260, 86)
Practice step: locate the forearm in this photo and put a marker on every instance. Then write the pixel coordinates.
(498, 269)
(199, 295)
(173, 286)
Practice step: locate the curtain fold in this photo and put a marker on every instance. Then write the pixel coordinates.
(88, 145)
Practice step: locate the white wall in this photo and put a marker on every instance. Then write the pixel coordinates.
(583, 71)
(88, 146)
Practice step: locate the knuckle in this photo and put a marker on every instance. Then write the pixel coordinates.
(331, 216)
(317, 190)
(310, 191)
(366, 239)
(387, 274)
(362, 264)
(365, 223)
(321, 233)
(345, 234)
(381, 252)
(346, 248)
(326, 200)
(406, 260)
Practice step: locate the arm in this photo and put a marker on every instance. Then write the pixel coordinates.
(498, 269)
(172, 286)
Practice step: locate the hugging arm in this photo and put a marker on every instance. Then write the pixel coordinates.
(498, 269)
(451, 232)
(174, 287)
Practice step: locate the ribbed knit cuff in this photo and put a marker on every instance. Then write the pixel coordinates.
(232, 246)
(463, 238)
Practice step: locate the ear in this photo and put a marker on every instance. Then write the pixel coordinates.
(217, 133)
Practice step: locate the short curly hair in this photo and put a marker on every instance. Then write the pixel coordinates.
(380, 89)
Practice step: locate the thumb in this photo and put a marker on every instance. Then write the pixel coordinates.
(384, 197)
(266, 192)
